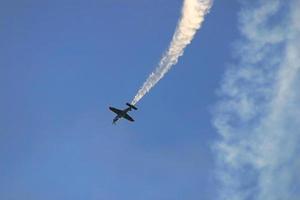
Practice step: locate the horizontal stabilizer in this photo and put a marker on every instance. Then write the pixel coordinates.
(131, 106)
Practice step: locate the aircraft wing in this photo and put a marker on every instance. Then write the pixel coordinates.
(128, 118)
(115, 110)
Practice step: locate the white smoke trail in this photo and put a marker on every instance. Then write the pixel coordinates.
(193, 13)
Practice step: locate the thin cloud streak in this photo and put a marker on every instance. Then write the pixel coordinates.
(258, 116)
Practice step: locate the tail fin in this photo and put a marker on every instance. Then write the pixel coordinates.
(131, 106)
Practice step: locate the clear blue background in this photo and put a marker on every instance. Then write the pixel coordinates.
(62, 63)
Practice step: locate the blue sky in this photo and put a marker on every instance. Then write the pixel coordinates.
(62, 63)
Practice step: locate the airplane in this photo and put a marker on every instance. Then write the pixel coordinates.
(123, 113)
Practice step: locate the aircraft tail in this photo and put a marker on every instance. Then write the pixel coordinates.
(131, 106)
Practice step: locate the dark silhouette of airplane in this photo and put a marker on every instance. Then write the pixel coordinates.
(123, 113)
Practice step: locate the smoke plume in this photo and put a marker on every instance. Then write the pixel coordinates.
(192, 16)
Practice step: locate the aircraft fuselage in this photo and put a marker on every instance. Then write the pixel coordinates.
(123, 113)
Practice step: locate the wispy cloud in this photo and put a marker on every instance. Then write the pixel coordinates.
(258, 116)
